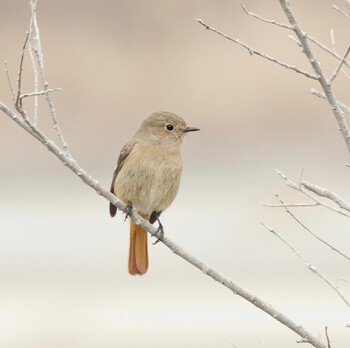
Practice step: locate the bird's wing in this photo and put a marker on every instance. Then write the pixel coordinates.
(124, 153)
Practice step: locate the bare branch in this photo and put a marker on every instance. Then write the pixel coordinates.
(328, 340)
(300, 188)
(327, 194)
(233, 345)
(35, 70)
(342, 61)
(35, 94)
(9, 82)
(319, 74)
(337, 210)
(18, 101)
(332, 39)
(322, 95)
(341, 11)
(294, 40)
(285, 26)
(326, 85)
(308, 230)
(38, 51)
(325, 48)
(36, 80)
(19, 77)
(345, 73)
(308, 264)
(288, 181)
(291, 205)
(252, 51)
(337, 56)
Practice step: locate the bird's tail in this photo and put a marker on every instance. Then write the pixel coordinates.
(138, 251)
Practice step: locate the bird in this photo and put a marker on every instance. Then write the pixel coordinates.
(147, 177)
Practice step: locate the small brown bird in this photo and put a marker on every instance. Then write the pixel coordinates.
(147, 177)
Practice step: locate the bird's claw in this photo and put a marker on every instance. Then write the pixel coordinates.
(159, 232)
(128, 210)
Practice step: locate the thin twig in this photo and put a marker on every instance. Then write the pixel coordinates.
(318, 43)
(315, 199)
(9, 82)
(18, 101)
(35, 94)
(35, 70)
(34, 65)
(291, 205)
(345, 73)
(325, 48)
(19, 76)
(308, 264)
(300, 188)
(336, 71)
(327, 194)
(38, 51)
(252, 51)
(301, 176)
(36, 80)
(233, 345)
(285, 26)
(288, 181)
(332, 39)
(327, 337)
(308, 230)
(341, 11)
(322, 95)
(295, 40)
(334, 49)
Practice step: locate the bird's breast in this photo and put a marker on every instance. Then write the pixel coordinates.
(150, 178)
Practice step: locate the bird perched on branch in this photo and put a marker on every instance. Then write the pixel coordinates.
(147, 177)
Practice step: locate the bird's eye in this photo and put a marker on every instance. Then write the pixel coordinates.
(169, 127)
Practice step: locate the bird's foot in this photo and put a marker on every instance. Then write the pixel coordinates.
(128, 210)
(159, 232)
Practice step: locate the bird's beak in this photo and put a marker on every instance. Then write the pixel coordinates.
(191, 129)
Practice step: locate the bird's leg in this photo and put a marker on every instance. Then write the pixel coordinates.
(160, 231)
(128, 210)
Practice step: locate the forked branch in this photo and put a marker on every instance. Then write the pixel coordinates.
(302, 40)
(253, 51)
(325, 83)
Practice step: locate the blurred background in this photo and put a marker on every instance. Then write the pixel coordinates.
(63, 260)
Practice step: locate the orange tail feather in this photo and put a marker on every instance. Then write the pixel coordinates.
(138, 251)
